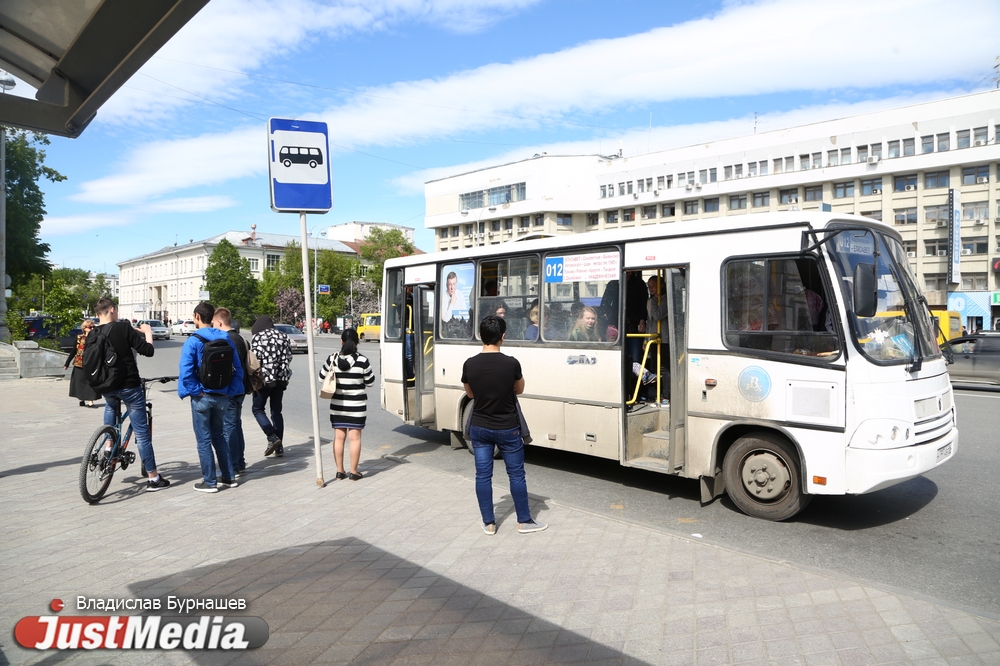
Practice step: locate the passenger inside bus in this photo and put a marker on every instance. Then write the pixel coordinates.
(657, 311)
(531, 333)
(585, 327)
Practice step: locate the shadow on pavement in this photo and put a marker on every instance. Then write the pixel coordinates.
(348, 601)
(859, 512)
(41, 467)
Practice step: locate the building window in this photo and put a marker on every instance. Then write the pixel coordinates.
(468, 230)
(690, 207)
(523, 223)
(539, 219)
(495, 225)
(508, 225)
(936, 247)
(943, 142)
(712, 205)
(935, 282)
(876, 149)
(778, 165)
(862, 153)
(845, 155)
(937, 214)
(906, 183)
(789, 164)
(979, 245)
(804, 162)
(842, 190)
(962, 139)
(727, 172)
(752, 169)
(738, 171)
(254, 264)
(641, 184)
(621, 189)
(927, 144)
(817, 160)
(703, 176)
(713, 175)
(814, 193)
(974, 282)
(611, 190)
(979, 136)
(611, 216)
(789, 196)
(763, 168)
(873, 214)
(908, 147)
(593, 219)
(761, 199)
(495, 196)
(910, 246)
(871, 186)
(976, 174)
(833, 158)
(905, 215)
(455, 231)
(668, 209)
(681, 179)
(628, 215)
(659, 182)
(736, 202)
(649, 212)
(977, 210)
(564, 220)
(271, 261)
(933, 179)
(604, 191)
(628, 187)
(893, 149)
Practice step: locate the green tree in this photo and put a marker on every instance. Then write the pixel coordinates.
(380, 246)
(267, 295)
(25, 166)
(64, 307)
(78, 281)
(101, 288)
(229, 282)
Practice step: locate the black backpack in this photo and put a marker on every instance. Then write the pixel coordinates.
(216, 369)
(100, 361)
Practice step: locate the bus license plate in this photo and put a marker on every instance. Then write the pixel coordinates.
(944, 452)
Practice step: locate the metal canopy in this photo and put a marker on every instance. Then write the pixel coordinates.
(78, 53)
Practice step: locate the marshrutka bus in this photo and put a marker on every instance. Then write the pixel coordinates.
(795, 356)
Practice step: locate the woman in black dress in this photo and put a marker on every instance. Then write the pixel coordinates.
(78, 386)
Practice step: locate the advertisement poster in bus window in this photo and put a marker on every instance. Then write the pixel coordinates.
(457, 286)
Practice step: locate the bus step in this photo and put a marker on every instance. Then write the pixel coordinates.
(656, 444)
(650, 463)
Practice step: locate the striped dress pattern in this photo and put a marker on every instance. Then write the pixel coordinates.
(348, 407)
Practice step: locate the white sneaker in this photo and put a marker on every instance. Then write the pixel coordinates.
(533, 526)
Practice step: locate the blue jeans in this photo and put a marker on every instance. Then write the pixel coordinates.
(232, 430)
(276, 426)
(135, 401)
(208, 414)
(512, 449)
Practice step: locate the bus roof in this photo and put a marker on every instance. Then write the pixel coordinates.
(812, 219)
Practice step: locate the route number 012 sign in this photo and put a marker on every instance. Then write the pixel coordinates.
(582, 267)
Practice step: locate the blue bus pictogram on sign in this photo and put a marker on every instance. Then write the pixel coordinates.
(298, 152)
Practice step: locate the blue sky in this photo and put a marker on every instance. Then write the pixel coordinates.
(419, 89)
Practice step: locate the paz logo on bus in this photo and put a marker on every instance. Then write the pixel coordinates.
(754, 383)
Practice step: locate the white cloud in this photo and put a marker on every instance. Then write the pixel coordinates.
(241, 36)
(771, 46)
(191, 204)
(66, 225)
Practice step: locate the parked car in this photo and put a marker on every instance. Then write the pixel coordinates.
(160, 331)
(186, 327)
(974, 359)
(39, 327)
(298, 339)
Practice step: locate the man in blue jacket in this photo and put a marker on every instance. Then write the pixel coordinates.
(208, 406)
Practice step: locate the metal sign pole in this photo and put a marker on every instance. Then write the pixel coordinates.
(313, 389)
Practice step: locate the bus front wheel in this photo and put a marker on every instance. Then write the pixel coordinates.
(763, 478)
(312, 164)
(287, 162)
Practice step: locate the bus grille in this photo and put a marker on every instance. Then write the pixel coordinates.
(934, 428)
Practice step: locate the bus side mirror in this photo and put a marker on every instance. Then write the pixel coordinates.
(865, 290)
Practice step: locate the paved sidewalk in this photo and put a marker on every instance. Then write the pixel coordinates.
(393, 569)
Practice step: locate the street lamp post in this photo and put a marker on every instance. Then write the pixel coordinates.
(6, 83)
(315, 322)
(480, 234)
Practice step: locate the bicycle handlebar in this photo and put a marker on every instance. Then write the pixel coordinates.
(153, 380)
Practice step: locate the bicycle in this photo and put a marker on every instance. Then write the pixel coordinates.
(107, 449)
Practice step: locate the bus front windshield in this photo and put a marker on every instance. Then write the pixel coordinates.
(900, 331)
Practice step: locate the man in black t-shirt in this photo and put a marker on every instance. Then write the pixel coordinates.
(232, 426)
(124, 339)
(494, 380)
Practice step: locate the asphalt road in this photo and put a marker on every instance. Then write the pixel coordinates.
(936, 535)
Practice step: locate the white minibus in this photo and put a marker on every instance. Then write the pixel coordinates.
(788, 354)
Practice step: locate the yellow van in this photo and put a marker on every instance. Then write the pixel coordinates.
(370, 326)
(948, 325)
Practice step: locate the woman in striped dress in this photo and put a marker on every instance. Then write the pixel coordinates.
(348, 406)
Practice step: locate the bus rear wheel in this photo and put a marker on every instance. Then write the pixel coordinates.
(287, 162)
(312, 164)
(763, 478)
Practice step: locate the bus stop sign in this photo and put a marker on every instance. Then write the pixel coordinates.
(298, 152)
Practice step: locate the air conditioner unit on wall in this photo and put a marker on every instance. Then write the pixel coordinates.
(635, 195)
(876, 191)
(942, 223)
(942, 253)
(966, 251)
(911, 255)
(911, 188)
(979, 143)
(979, 222)
(793, 200)
(689, 186)
(656, 193)
(873, 159)
(982, 180)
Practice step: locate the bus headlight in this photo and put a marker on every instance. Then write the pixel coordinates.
(881, 434)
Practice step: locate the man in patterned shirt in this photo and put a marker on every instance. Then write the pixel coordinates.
(274, 351)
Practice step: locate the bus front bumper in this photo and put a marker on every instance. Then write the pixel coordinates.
(869, 470)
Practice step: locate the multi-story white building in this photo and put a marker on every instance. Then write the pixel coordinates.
(166, 284)
(898, 165)
(358, 231)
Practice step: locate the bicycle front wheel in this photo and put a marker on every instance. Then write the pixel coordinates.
(97, 468)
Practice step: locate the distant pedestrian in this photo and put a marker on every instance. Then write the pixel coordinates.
(348, 407)
(125, 339)
(964, 331)
(233, 425)
(494, 381)
(274, 351)
(79, 387)
(326, 327)
(209, 403)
